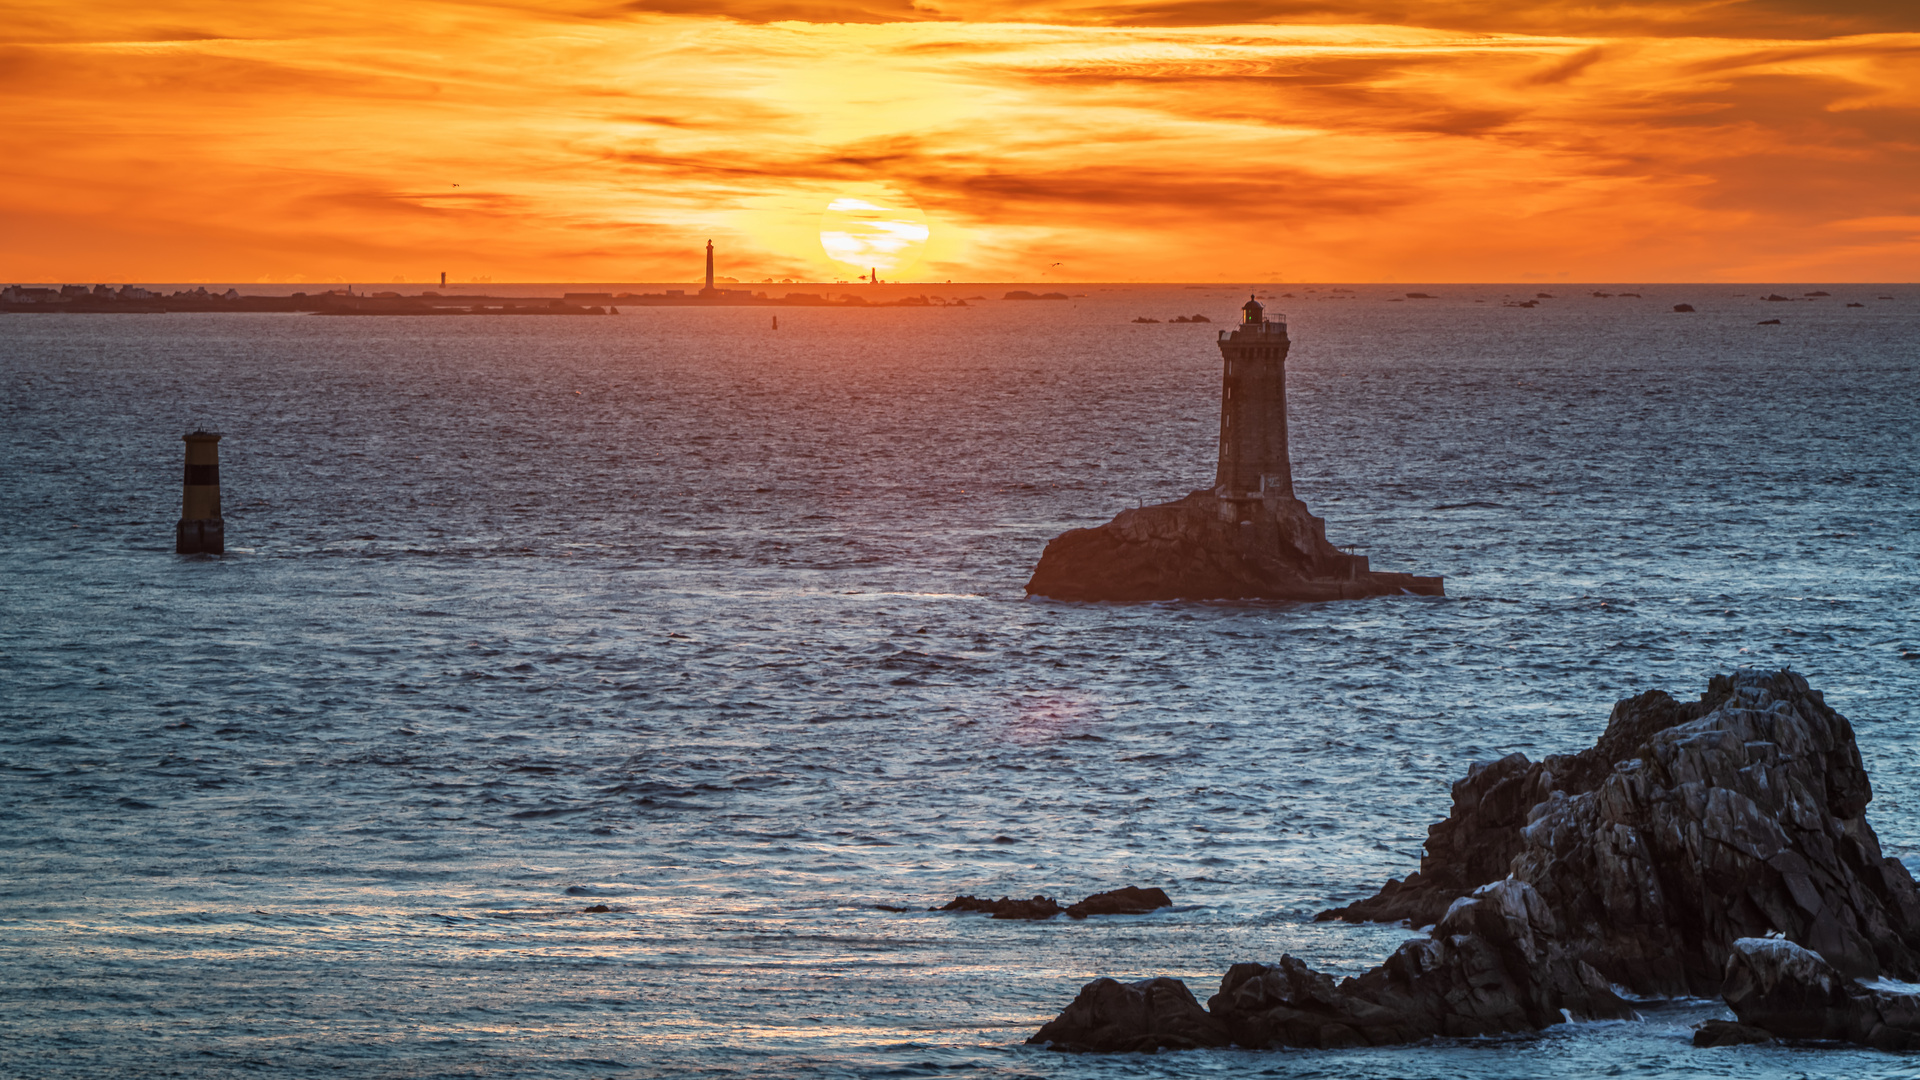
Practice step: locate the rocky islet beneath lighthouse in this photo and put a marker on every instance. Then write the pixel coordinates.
(1247, 537)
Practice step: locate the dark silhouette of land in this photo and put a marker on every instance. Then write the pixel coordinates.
(133, 300)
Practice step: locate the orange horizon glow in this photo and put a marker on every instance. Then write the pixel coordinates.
(1720, 140)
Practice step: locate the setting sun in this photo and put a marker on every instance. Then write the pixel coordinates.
(865, 237)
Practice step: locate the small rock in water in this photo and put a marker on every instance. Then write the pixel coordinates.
(1131, 900)
(1140, 1017)
(1683, 307)
(1040, 907)
(1779, 988)
(1728, 1033)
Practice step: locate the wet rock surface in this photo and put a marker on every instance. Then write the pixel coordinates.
(1648, 863)
(1205, 548)
(1778, 988)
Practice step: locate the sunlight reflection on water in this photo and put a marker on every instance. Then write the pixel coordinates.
(732, 642)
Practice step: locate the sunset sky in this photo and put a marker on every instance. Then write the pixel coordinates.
(1081, 140)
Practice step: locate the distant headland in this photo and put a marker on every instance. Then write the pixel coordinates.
(132, 299)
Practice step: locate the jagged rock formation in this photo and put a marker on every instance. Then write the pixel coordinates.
(1492, 965)
(1638, 864)
(1779, 988)
(1478, 840)
(1736, 816)
(1204, 547)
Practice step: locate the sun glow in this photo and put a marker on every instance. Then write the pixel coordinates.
(865, 236)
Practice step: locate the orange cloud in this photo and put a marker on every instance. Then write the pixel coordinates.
(1434, 142)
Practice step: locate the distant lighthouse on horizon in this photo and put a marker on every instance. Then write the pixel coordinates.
(708, 291)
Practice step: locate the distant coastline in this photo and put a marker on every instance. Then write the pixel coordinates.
(133, 300)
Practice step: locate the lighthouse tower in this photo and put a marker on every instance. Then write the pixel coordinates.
(1248, 537)
(1253, 408)
(201, 530)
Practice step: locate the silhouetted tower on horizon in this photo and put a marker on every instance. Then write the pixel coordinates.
(1253, 407)
(709, 289)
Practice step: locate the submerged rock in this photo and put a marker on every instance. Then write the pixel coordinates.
(1647, 863)
(1205, 547)
(1779, 988)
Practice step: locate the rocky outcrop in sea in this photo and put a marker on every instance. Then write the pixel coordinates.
(1647, 863)
(1205, 547)
(1126, 900)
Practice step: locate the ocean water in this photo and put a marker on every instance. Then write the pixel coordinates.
(722, 628)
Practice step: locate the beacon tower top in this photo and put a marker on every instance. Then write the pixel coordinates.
(1253, 408)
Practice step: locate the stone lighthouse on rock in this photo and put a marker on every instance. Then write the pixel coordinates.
(1245, 538)
(1253, 407)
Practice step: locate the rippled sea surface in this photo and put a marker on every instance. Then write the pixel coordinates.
(722, 628)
